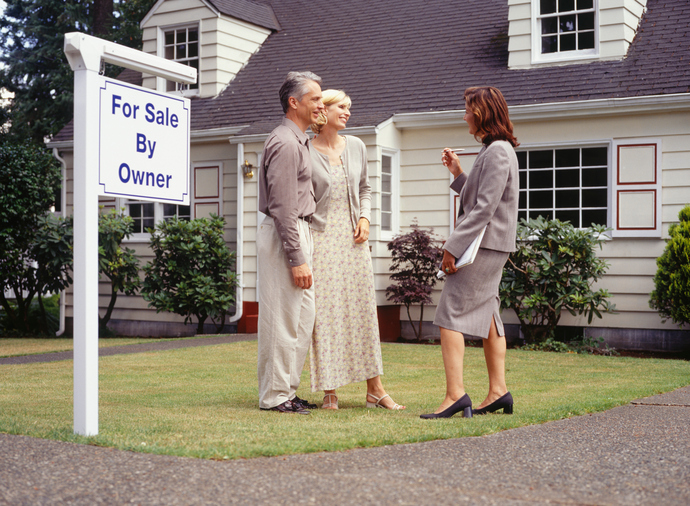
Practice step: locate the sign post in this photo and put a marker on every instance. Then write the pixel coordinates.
(85, 55)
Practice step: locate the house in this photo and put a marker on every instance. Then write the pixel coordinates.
(599, 93)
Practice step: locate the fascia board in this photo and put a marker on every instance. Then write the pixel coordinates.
(591, 108)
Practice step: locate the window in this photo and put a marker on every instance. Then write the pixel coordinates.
(182, 45)
(205, 200)
(569, 184)
(565, 29)
(145, 215)
(389, 193)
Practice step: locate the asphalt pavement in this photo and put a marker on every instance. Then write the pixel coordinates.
(634, 454)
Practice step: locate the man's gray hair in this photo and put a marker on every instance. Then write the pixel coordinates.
(296, 85)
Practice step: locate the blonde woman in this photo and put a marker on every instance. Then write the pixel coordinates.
(346, 345)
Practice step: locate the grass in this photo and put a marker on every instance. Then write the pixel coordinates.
(202, 402)
(10, 347)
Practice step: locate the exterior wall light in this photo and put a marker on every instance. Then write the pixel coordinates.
(248, 169)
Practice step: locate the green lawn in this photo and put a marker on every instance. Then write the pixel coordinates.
(10, 347)
(202, 402)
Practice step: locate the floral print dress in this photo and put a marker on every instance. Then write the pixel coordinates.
(346, 345)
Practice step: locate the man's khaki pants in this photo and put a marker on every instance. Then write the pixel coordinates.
(286, 316)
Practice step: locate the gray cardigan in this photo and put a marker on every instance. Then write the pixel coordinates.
(354, 159)
(488, 195)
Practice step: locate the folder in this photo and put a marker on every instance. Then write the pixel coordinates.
(468, 256)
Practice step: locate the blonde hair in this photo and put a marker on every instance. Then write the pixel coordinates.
(329, 97)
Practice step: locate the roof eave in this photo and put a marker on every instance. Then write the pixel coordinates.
(530, 112)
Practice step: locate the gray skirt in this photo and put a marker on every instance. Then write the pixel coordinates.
(470, 296)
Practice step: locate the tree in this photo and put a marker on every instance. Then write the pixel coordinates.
(33, 65)
(35, 248)
(192, 270)
(671, 295)
(554, 268)
(119, 264)
(416, 260)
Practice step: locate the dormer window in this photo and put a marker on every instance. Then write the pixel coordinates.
(565, 30)
(182, 45)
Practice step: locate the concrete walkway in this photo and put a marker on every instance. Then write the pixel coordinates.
(633, 454)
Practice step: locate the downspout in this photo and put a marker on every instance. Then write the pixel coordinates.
(239, 257)
(63, 198)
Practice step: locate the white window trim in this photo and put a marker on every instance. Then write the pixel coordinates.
(598, 143)
(394, 154)
(565, 57)
(161, 81)
(656, 186)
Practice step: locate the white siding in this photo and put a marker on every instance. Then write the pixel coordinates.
(226, 44)
(618, 22)
(425, 196)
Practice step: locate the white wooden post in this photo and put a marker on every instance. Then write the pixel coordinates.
(85, 54)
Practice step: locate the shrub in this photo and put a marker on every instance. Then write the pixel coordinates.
(119, 264)
(192, 271)
(42, 267)
(416, 260)
(35, 247)
(554, 268)
(671, 295)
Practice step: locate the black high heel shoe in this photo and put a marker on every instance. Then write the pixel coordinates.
(505, 403)
(463, 404)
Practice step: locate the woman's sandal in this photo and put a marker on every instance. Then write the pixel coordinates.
(378, 404)
(329, 403)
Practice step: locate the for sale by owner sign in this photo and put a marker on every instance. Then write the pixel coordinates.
(144, 144)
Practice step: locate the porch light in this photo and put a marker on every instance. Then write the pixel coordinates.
(248, 169)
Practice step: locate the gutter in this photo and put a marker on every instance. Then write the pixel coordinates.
(557, 110)
(63, 191)
(239, 257)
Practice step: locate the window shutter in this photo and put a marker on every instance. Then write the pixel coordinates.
(636, 202)
(208, 190)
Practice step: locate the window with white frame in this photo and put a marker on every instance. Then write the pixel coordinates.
(565, 29)
(145, 215)
(568, 184)
(182, 45)
(206, 199)
(390, 183)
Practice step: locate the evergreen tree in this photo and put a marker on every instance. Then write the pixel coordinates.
(33, 63)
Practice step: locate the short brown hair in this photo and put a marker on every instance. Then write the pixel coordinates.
(490, 112)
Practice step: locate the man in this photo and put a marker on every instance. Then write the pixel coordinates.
(284, 247)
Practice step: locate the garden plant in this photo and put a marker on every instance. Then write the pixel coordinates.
(35, 245)
(416, 259)
(671, 295)
(192, 273)
(554, 269)
(118, 263)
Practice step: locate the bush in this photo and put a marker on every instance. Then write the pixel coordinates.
(42, 268)
(119, 264)
(416, 260)
(35, 247)
(43, 319)
(671, 295)
(554, 268)
(192, 271)
(582, 346)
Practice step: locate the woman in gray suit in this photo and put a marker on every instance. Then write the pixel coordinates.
(469, 302)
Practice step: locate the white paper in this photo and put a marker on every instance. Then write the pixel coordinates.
(468, 256)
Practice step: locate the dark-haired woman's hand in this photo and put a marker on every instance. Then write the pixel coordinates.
(451, 161)
(448, 264)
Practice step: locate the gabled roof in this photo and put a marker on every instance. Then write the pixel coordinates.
(395, 56)
(258, 13)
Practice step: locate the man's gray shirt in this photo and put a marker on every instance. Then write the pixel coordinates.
(285, 188)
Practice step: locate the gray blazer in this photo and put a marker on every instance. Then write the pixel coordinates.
(359, 190)
(488, 195)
